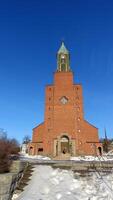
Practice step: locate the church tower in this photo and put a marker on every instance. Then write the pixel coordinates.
(64, 132)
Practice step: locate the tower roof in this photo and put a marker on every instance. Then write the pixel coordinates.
(63, 49)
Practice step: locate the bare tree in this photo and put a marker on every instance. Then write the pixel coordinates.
(26, 139)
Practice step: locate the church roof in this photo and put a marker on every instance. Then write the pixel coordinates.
(63, 49)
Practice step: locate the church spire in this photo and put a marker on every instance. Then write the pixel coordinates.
(63, 59)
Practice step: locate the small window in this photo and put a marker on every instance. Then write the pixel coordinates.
(49, 89)
(78, 108)
(49, 98)
(64, 100)
(40, 149)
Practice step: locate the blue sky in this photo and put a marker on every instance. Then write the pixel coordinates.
(30, 35)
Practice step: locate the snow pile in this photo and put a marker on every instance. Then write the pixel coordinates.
(110, 152)
(56, 184)
(92, 158)
(77, 158)
(37, 157)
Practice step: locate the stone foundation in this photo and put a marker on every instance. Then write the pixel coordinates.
(8, 181)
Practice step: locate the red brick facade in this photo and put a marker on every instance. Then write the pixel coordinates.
(64, 130)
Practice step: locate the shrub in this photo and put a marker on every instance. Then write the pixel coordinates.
(7, 147)
(4, 156)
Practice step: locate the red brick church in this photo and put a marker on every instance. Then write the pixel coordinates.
(64, 130)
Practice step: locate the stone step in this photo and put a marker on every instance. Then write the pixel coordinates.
(62, 157)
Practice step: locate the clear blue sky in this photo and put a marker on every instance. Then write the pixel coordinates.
(30, 35)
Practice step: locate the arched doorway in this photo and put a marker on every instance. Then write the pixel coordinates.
(64, 144)
(100, 151)
(31, 150)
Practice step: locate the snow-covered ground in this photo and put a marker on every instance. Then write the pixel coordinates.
(56, 184)
(36, 157)
(93, 158)
(77, 158)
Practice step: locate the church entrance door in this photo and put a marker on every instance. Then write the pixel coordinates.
(64, 144)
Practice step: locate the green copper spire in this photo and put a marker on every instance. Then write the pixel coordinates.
(63, 59)
(63, 49)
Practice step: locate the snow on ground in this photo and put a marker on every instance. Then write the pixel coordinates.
(57, 184)
(93, 158)
(77, 158)
(36, 157)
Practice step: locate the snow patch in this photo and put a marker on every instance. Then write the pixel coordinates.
(92, 158)
(36, 157)
(57, 184)
(58, 196)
